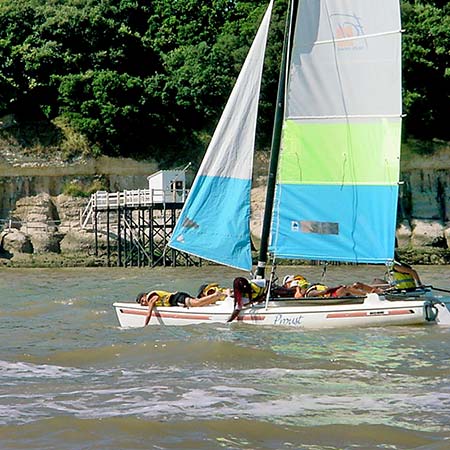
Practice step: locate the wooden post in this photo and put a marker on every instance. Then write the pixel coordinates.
(108, 250)
(119, 238)
(96, 231)
(139, 233)
(151, 236)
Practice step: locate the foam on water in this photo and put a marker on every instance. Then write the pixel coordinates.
(286, 396)
(19, 370)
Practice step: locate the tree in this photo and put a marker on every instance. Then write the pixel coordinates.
(151, 78)
(426, 68)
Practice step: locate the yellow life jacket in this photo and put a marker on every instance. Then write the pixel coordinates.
(163, 297)
(315, 287)
(257, 290)
(289, 281)
(211, 288)
(302, 282)
(402, 280)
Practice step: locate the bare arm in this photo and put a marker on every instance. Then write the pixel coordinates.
(151, 305)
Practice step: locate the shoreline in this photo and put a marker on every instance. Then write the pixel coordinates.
(422, 256)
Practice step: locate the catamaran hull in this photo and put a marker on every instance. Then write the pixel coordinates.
(375, 310)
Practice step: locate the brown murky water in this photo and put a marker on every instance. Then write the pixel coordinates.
(72, 379)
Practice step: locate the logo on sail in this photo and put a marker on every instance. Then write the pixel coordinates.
(312, 226)
(188, 223)
(348, 32)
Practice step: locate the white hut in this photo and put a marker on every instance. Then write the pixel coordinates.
(167, 186)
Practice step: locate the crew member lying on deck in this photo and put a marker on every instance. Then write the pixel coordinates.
(298, 283)
(163, 298)
(356, 290)
(401, 276)
(298, 287)
(293, 286)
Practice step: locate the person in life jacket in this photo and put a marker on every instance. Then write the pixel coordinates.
(354, 290)
(211, 288)
(293, 286)
(246, 292)
(164, 298)
(302, 288)
(403, 276)
(298, 283)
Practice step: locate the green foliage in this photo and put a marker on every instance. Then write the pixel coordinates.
(426, 63)
(74, 190)
(149, 78)
(83, 188)
(73, 143)
(134, 77)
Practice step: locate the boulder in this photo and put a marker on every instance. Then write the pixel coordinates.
(427, 233)
(447, 234)
(69, 207)
(403, 234)
(38, 214)
(75, 241)
(46, 242)
(15, 241)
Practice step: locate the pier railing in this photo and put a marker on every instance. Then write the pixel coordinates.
(102, 200)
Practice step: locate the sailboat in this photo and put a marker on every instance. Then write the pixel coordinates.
(334, 172)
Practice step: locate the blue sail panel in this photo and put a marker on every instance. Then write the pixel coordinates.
(313, 223)
(204, 227)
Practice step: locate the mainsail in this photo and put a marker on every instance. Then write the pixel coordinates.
(338, 173)
(215, 221)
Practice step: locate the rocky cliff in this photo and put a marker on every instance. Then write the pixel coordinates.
(39, 218)
(424, 201)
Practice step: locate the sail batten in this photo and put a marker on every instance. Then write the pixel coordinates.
(350, 116)
(354, 38)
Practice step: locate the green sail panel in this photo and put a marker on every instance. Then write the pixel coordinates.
(340, 153)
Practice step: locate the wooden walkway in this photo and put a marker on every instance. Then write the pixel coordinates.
(134, 227)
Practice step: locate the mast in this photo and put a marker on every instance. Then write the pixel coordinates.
(276, 141)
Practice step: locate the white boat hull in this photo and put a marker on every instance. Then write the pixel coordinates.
(373, 310)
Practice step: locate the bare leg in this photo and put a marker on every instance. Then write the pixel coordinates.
(366, 288)
(204, 301)
(344, 291)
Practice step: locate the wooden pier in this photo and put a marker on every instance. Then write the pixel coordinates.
(134, 227)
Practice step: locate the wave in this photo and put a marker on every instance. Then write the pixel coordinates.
(167, 393)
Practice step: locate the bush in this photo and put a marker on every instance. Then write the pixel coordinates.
(78, 188)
